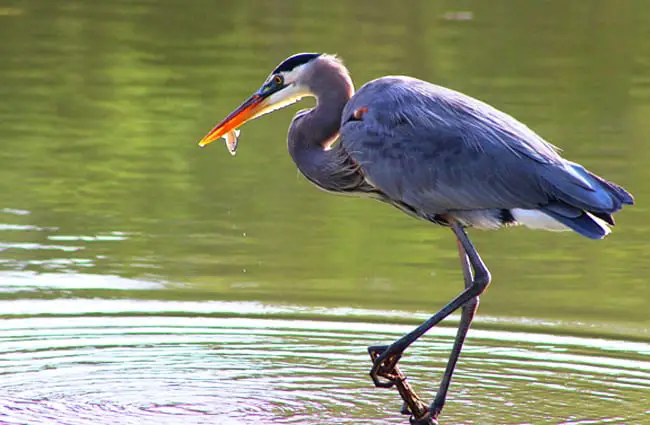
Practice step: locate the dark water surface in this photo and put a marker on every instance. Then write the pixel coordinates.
(143, 280)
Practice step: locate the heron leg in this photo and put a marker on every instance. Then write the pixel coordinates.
(384, 363)
(467, 314)
(466, 317)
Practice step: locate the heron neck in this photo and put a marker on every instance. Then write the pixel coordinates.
(318, 128)
(312, 134)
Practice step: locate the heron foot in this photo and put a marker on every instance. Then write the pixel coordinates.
(425, 420)
(383, 366)
(388, 369)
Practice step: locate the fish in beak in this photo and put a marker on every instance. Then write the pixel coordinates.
(231, 139)
(228, 127)
(272, 96)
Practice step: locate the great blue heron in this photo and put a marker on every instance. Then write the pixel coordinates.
(436, 154)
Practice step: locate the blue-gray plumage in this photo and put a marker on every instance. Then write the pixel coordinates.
(435, 154)
(462, 158)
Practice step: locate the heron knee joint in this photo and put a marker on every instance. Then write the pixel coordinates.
(481, 281)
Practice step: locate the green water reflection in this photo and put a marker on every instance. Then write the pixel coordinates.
(103, 103)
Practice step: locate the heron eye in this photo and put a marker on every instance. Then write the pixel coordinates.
(278, 80)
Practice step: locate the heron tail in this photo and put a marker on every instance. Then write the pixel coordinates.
(585, 202)
(583, 222)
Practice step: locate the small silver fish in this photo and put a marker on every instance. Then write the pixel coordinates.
(231, 139)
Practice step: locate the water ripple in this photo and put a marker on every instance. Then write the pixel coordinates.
(134, 368)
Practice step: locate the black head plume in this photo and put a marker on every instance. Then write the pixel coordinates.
(296, 60)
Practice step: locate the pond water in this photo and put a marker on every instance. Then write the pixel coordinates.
(143, 280)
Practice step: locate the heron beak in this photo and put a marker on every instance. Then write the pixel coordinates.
(251, 108)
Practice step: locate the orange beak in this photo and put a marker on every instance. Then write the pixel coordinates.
(245, 112)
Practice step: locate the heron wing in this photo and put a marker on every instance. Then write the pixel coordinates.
(438, 150)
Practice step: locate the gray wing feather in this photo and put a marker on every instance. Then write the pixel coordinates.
(439, 150)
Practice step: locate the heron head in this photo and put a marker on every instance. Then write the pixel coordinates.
(284, 86)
